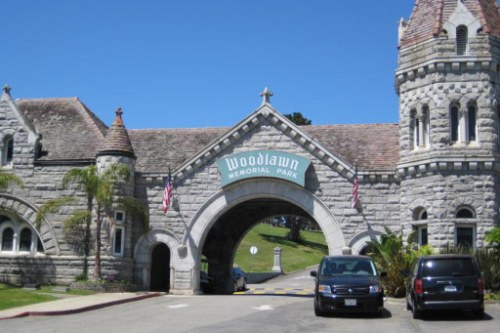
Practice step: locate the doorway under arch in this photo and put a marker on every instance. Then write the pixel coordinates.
(160, 268)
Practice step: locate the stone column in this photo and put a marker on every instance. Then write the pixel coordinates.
(277, 260)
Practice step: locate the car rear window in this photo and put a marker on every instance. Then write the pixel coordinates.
(448, 267)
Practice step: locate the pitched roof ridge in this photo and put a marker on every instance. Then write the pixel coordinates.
(92, 117)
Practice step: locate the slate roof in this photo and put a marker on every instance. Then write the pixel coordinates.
(428, 16)
(70, 131)
(370, 147)
(117, 141)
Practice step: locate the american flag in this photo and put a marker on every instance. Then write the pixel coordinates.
(355, 188)
(167, 193)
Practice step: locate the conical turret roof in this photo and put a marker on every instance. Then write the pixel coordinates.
(428, 17)
(117, 141)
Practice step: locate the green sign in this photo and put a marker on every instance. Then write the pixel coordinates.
(263, 163)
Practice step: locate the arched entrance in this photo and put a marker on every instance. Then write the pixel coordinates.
(225, 235)
(219, 226)
(160, 268)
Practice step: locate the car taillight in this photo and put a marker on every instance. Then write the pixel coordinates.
(480, 285)
(419, 286)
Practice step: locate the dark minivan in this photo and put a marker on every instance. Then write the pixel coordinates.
(348, 284)
(442, 282)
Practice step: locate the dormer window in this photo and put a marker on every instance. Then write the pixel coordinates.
(461, 40)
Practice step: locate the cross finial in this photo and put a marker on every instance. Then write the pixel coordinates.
(266, 96)
(119, 112)
(6, 89)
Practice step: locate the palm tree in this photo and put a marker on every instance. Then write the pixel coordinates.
(98, 189)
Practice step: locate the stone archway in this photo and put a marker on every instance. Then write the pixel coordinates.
(255, 189)
(25, 211)
(143, 254)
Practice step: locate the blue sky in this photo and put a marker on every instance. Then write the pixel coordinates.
(203, 63)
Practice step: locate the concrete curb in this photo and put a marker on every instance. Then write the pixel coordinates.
(83, 308)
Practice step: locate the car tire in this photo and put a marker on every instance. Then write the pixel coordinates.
(317, 309)
(417, 314)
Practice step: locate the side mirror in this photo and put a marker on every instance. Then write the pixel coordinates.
(383, 274)
(314, 273)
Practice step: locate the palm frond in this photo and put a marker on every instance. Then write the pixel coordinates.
(133, 206)
(78, 218)
(51, 207)
(7, 179)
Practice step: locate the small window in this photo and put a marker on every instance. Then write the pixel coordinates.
(25, 240)
(461, 40)
(119, 217)
(118, 241)
(471, 122)
(8, 150)
(465, 236)
(454, 123)
(465, 213)
(422, 235)
(7, 240)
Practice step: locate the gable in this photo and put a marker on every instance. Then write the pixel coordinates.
(336, 146)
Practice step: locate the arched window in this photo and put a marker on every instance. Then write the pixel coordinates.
(461, 40)
(25, 240)
(8, 150)
(17, 236)
(464, 213)
(454, 123)
(8, 239)
(471, 122)
(425, 126)
(414, 126)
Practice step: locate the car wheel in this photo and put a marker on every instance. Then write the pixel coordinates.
(317, 309)
(416, 312)
(408, 306)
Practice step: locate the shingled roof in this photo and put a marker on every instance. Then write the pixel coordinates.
(70, 131)
(117, 141)
(428, 16)
(370, 147)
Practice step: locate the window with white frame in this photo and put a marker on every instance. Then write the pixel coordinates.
(18, 237)
(422, 235)
(119, 217)
(465, 236)
(118, 241)
(463, 124)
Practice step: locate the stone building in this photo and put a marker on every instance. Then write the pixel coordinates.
(434, 173)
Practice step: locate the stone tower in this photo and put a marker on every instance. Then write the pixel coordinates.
(448, 85)
(117, 149)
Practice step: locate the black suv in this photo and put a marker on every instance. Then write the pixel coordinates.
(348, 284)
(441, 282)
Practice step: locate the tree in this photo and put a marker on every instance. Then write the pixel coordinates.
(98, 189)
(295, 222)
(298, 119)
(393, 257)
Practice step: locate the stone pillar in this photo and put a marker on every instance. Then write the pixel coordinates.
(277, 260)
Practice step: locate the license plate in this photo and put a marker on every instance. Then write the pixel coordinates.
(350, 302)
(450, 289)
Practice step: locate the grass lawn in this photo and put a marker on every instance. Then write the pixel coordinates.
(13, 296)
(293, 256)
